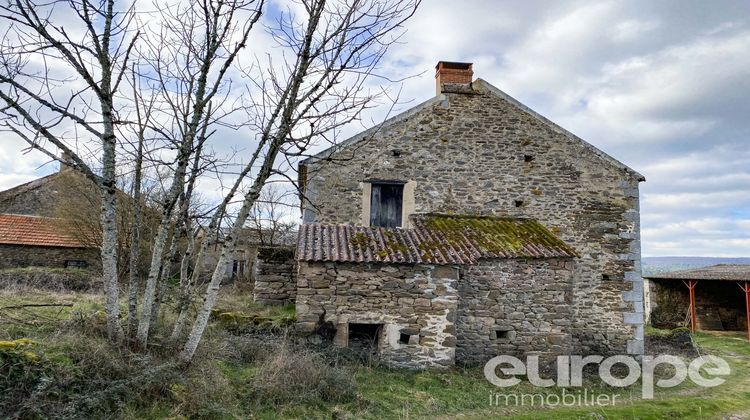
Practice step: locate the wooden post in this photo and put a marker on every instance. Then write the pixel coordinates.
(691, 287)
(745, 287)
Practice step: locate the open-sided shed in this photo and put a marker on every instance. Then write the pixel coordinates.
(716, 297)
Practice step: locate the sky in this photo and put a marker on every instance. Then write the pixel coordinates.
(662, 86)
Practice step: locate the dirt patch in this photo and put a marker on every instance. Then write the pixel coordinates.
(677, 342)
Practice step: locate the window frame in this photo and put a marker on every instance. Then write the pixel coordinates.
(375, 214)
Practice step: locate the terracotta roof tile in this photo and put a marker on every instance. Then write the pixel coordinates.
(37, 231)
(435, 239)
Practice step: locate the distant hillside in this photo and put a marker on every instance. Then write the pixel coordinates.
(653, 265)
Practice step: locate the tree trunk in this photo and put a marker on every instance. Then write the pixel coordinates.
(135, 244)
(153, 276)
(230, 243)
(183, 303)
(166, 271)
(109, 266)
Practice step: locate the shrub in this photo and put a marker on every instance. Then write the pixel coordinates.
(22, 370)
(300, 375)
(52, 279)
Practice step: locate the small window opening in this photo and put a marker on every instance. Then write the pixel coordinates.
(76, 264)
(605, 277)
(364, 337)
(395, 152)
(528, 158)
(238, 268)
(403, 338)
(518, 203)
(502, 334)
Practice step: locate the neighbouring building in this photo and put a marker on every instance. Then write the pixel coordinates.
(467, 227)
(262, 258)
(37, 227)
(714, 298)
(36, 241)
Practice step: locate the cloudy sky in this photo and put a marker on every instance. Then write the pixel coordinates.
(661, 85)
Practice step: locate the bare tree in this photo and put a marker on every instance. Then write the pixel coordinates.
(143, 116)
(334, 48)
(270, 218)
(188, 61)
(56, 80)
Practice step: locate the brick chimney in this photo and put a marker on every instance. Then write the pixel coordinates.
(457, 75)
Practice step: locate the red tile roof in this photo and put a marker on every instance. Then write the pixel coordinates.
(37, 231)
(435, 239)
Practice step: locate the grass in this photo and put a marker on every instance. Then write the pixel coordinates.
(249, 372)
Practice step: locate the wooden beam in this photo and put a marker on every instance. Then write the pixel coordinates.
(691, 287)
(745, 287)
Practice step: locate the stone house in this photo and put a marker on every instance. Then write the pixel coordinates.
(263, 260)
(467, 227)
(69, 196)
(35, 241)
(34, 230)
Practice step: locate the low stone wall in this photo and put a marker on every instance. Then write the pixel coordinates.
(515, 307)
(413, 306)
(274, 274)
(15, 256)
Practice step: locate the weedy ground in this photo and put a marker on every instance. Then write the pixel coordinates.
(55, 361)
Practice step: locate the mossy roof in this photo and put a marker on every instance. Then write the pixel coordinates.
(435, 239)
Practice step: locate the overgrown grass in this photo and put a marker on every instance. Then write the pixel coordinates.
(259, 372)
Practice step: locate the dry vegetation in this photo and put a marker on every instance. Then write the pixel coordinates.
(56, 361)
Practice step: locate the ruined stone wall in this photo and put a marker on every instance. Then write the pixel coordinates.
(416, 301)
(211, 255)
(274, 276)
(12, 256)
(483, 154)
(512, 307)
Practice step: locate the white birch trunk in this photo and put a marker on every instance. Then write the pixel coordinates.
(151, 282)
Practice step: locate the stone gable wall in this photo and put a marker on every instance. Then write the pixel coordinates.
(418, 301)
(481, 154)
(13, 256)
(512, 307)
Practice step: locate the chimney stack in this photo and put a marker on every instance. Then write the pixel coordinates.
(65, 162)
(459, 75)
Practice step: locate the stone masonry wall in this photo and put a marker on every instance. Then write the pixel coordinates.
(483, 153)
(12, 256)
(417, 301)
(513, 307)
(274, 273)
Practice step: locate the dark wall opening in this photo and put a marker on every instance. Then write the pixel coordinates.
(719, 305)
(364, 337)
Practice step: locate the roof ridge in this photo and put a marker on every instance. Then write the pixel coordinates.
(31, 215)
(362, 135)
(13, 191)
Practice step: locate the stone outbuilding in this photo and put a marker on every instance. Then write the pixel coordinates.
(452, 287)
(35, 241)
(471, 156)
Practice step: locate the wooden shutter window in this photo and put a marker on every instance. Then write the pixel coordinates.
(386, 201)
